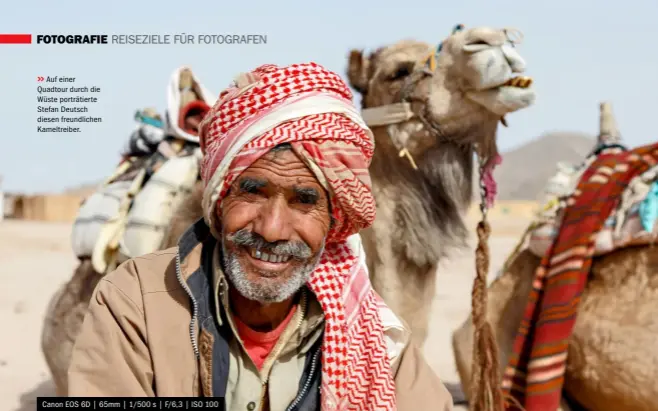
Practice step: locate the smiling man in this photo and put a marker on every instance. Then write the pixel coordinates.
(276, 218)
(267, 300)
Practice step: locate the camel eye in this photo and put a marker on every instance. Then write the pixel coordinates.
(475, 46)
(402, 71)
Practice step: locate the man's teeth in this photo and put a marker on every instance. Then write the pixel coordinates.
(259, 255)
(520, 82)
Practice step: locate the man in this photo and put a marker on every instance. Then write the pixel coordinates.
(267, 301)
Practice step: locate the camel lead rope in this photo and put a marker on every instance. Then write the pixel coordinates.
(485, 392)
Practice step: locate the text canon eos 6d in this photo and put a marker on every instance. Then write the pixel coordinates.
(76, 404)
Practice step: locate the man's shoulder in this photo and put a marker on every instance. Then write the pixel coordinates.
(157, 260)
(153, 272)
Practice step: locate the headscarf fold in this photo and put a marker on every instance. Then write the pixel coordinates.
(311, 108)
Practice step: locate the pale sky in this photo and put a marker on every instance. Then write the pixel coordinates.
(579, 52)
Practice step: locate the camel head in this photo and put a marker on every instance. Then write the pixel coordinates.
(456, 92)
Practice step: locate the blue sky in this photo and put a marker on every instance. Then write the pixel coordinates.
(579, 52)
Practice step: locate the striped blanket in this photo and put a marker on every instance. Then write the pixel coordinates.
(535, 373)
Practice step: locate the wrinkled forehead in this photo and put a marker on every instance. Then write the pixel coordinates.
(284, 165)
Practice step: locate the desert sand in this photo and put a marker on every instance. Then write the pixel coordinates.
(36, 259)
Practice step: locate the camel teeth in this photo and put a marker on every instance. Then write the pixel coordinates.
(520, 82)
(525, 82)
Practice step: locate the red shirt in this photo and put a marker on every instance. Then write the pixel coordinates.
(260, 344)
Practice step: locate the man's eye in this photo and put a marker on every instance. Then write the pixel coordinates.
(251, 186)
(307, 199)
(251, 190)
(306, 196)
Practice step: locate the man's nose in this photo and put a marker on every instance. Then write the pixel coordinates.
(273, 222)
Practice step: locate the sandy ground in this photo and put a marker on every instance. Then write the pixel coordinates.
(36, 259)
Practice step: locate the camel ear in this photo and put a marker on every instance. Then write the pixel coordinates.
(357, 71)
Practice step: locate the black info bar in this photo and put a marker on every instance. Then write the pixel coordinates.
(126, 403)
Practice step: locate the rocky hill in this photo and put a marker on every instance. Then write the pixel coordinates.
(526, 169)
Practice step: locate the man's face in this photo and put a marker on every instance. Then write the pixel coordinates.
(274, 222)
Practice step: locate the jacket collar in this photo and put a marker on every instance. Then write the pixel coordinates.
(190, 246)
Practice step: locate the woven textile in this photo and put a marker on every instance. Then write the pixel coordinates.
(535, 374)
(311, 108)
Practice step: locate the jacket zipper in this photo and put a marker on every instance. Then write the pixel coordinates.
(307, 384)
(195, 346)
(279, 346)
(195, 306)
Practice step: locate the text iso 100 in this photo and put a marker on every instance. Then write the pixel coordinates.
(209, 404)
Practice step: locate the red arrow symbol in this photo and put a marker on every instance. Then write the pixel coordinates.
(40, 78)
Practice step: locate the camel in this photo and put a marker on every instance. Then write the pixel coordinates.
(612, 362)
(430, 109)
(421, 199)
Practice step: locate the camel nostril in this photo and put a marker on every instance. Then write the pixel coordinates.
(514, 59)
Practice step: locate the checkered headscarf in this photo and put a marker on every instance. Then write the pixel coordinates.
(311, 108)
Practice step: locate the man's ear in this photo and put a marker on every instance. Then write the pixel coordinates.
(357, 71)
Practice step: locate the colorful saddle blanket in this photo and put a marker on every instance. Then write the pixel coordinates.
(631, 222)
(534, 376)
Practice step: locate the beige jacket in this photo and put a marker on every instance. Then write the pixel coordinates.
(138, 339)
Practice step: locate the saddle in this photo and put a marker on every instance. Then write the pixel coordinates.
(631, 223)
(128, 215)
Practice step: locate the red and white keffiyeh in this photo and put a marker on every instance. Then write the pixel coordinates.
(311, 108)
